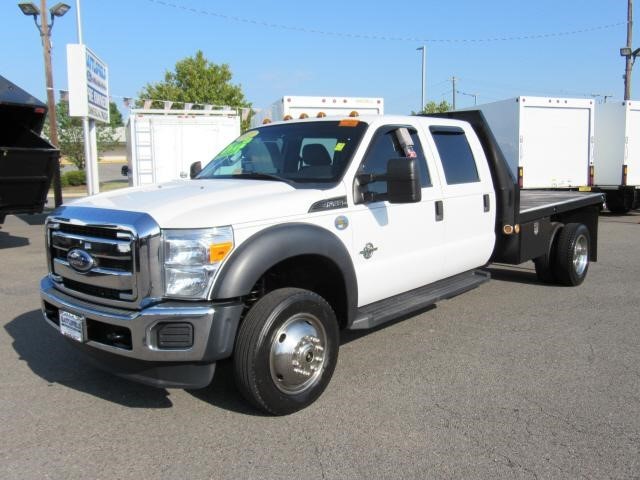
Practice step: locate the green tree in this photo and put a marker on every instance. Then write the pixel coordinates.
(195, 80)
(433, 107)
(71, 134)
(115, 117)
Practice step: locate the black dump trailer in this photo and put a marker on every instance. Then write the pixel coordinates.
(28, 162)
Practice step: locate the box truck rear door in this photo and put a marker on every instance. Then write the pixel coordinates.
(555, 146)
(633, 147)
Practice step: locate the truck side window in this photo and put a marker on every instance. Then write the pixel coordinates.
(383, 148)
(457, 159)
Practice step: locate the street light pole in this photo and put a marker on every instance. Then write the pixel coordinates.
(629, 57)
(424, 74)
(453, 88)
(45, 35)
(474, 95)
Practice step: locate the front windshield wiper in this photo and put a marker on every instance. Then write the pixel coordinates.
(260, 176)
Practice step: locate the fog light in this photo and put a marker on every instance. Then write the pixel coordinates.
(174, 335)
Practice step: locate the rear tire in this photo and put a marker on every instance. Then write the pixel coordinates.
(286, 350)
(572, 254)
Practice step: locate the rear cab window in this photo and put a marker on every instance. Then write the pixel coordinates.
(455, 153)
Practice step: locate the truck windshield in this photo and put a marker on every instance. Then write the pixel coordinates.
(295, 152)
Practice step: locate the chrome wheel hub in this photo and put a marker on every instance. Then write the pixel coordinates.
(298, 354)
(580, 255)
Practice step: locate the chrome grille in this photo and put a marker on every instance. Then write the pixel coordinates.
(112, 275)
(125, 251)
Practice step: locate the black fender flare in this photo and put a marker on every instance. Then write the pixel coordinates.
(274, 244)
(553, 233)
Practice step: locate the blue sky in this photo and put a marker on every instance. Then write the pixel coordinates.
(367, 48)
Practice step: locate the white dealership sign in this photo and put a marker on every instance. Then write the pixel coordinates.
(88, 79)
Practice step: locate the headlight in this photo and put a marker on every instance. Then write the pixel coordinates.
(192, 258)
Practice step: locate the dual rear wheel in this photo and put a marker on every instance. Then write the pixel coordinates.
(567, 260)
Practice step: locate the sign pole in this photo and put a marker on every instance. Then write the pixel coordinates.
(94, 181)
(88, 156)
(90, 142)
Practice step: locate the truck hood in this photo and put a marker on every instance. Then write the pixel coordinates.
(208, 203)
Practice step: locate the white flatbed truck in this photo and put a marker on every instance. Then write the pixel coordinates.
(294, 232)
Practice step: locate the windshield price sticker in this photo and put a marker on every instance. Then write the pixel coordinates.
(238, 144)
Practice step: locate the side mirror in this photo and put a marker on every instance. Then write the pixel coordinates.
(195, 169)
(124, 171)
(403, 181)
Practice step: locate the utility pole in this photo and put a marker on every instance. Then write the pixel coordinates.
(45, 35)
(453, 86)
(629, 58)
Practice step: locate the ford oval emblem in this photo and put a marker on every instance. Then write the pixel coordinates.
(80, 260)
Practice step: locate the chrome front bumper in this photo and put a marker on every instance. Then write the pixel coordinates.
(141, 357)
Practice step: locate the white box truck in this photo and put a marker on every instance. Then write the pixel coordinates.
(162, 144)
(548, 142)
(617, 154)
(292, 107)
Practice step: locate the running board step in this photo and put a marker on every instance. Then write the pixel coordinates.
(377, 313)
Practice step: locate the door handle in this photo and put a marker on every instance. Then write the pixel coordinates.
(439, 211)
(487, 202)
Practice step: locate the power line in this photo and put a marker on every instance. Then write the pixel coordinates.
(383, 37)
(433, 85)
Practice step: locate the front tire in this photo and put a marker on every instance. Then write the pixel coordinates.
(572, 254)
(286, 350)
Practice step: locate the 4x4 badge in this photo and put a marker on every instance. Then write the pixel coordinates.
(367, 251)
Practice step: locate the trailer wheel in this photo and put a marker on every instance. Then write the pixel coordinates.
(286, 350)
(618, 209)
(618, 203)
(572, 254)
(545, 264)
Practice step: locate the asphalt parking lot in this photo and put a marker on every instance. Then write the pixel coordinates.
(512, 380)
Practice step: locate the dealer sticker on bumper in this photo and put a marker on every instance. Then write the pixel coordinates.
(73, 326)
